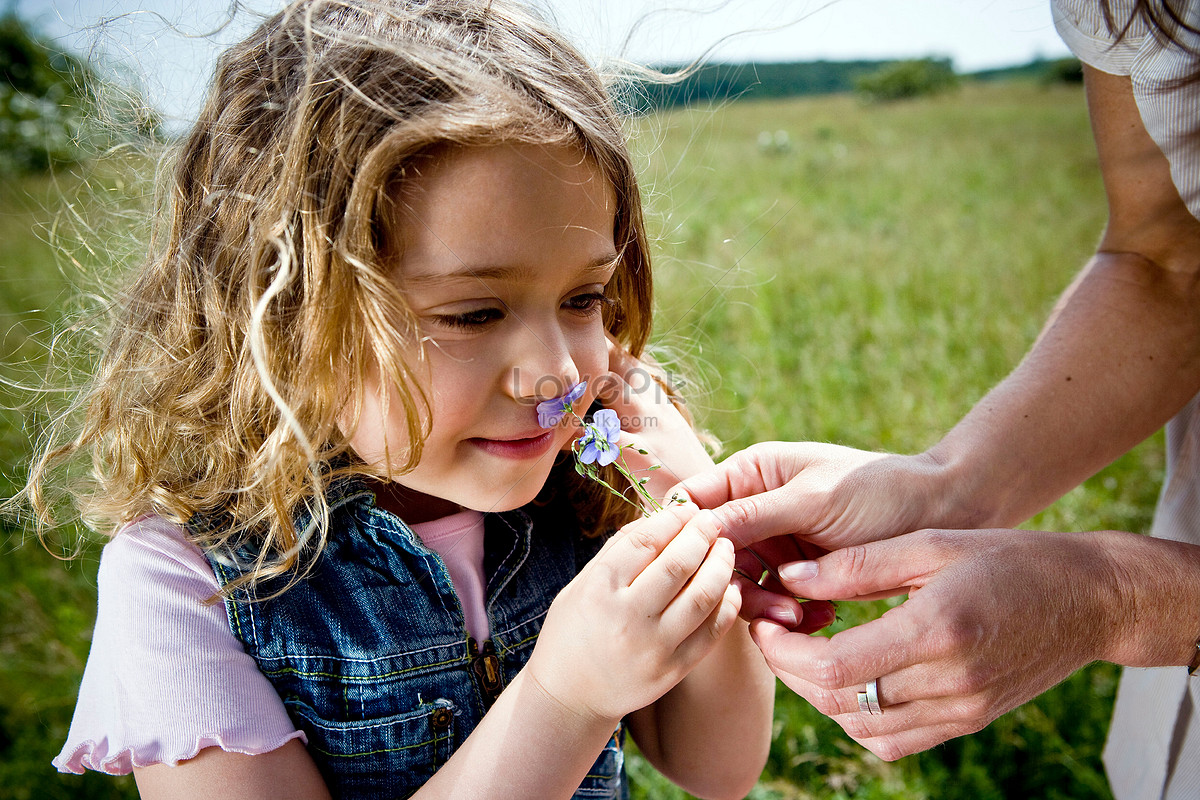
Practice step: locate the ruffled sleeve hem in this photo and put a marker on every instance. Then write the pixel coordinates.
(95, 755)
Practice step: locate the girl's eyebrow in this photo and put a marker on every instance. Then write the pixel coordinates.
(598, 267)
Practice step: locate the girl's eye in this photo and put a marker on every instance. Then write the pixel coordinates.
(470, 319)
(588, 302)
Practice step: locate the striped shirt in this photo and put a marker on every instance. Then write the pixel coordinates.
(1171, 115)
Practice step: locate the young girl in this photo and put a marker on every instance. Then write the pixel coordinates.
(397, 227)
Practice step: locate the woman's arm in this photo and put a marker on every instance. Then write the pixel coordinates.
(1119, 356)
(994, 618)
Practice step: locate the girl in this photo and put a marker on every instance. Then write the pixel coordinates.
(396, 228)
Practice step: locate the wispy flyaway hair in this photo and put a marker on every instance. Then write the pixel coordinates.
(237, 348)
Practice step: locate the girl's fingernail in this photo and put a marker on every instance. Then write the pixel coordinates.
(784, 615)
(821, 615)
(798, 571)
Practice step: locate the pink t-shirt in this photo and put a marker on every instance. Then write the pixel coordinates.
(166, 677)
(458, 539)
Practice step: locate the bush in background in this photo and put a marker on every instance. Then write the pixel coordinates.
(44, 97)
(902, 80)
(1063, 70)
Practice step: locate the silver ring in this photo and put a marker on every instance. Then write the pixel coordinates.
(863, 706)
(871, 698)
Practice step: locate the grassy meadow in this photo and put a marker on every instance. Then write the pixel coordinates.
(863, 279)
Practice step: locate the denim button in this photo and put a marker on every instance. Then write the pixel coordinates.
(441, 719)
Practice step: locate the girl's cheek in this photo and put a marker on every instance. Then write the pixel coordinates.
(591, 354)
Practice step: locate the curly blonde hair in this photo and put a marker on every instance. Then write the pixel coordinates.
(265, 300)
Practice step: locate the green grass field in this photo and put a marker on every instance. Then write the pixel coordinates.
(865, 284)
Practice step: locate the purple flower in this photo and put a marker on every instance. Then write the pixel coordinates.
(551, 411)
(599, 442)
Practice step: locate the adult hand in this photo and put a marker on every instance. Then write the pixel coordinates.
(833, 496)
(782, 501)
(993, 618)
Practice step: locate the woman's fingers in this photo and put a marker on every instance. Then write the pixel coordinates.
(907, 689)
(830, 672)
(876, 569)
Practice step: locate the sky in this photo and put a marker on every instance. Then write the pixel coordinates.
(169, 51)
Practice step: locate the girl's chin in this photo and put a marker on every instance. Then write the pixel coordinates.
(503, 500)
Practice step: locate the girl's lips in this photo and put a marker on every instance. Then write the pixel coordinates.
(516, 448)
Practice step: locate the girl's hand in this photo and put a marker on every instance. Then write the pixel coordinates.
(653, 602)
(650, 421)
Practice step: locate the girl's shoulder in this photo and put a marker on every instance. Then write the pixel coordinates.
(155, 547)
(165, 676)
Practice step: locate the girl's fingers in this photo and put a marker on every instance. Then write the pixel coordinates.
(719, 622)
(798, 617)
(661, 581)
(640, 543)
(703, 594)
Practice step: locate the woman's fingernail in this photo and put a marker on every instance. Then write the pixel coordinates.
(798, 571)
(784, 615)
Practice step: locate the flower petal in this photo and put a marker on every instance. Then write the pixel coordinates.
(608, 423)
(590, 453)
(551, 411)
(575, 393)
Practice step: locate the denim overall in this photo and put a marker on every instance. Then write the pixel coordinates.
(371, 654)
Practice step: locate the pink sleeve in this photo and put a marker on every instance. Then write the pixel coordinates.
(166, 677)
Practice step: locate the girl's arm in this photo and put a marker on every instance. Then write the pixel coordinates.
(711, 734)
(637, 619)
(287, 773)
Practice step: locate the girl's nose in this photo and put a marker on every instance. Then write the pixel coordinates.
(543, 369)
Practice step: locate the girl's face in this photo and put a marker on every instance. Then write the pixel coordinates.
(505, 252)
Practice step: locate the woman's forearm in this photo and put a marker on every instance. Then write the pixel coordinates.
(1118, 359)
(1119, 356)
(1157, 620)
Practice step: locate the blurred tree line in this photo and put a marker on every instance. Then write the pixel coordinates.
(874, 81)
